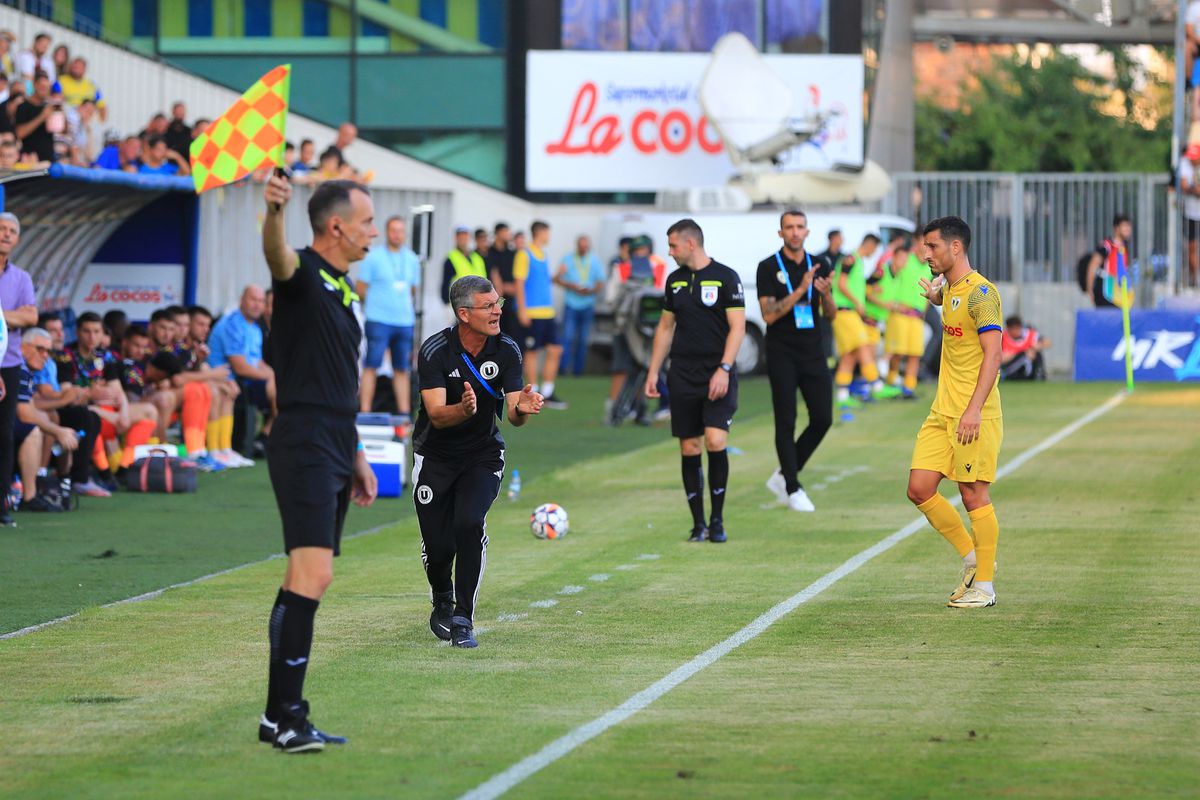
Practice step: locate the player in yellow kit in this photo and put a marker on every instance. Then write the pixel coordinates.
(960, 438)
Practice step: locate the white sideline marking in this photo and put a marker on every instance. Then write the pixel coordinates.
(599, 577)
(157, 592)
(649, 557)
(543, 603)
(507, 617)
(501, 782)
(837, 477)
(627, 567)
(570, 590)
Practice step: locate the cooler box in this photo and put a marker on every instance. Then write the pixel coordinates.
(387, 461)
(375, 426)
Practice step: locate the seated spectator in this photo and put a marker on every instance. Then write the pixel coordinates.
(124, 155)
(7, 65)
(179, 133)
(158, 160)
(237, 341)
(329, 166)
(156, 127)
(76, 88)
(87, 365)
(36, 59)
(219, 431)
(3, 86)
(1021, 352)
(68, 405)
(8, 119)
(33, 424)
(84, 138)
(304, 162)
(116, 322)
(10, 156)
(61, 58)
(33, 118)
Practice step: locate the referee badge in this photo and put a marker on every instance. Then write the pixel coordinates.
(424, 495)
(489, 370)
(708, 295)
(781, 276)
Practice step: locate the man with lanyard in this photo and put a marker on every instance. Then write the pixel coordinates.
(787, 282)
(316, 463)
(388, 280)
(470, 379)
(461, 261)
(705, 302)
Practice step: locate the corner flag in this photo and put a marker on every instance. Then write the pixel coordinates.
(249, 135)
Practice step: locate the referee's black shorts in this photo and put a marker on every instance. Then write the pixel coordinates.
(691, 410)
(310, 459)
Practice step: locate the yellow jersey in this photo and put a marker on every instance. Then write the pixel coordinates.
(970, 306)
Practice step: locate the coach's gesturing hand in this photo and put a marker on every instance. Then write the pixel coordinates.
(469, 401)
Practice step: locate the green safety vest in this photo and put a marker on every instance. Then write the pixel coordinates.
(856, 282)
(907, 284)
(464, 265)
(886, 289)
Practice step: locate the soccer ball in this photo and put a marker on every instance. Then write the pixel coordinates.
(549, 521)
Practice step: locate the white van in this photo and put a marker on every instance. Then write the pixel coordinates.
(740, 241)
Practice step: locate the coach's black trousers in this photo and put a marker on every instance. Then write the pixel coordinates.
(790, 371)
(8, 416)
(452, 500)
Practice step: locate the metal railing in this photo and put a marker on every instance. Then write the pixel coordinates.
(1033, 228)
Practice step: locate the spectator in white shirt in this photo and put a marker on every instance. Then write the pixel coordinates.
(36, 59)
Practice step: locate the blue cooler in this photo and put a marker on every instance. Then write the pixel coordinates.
(387, 460)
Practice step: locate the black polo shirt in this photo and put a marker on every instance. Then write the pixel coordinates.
(315, 337)
(783, 331)
(501, 260)
(442, 364)
(699, 301)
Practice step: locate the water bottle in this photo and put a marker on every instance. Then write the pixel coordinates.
(56, 449)
(15, 493)
(514, 485)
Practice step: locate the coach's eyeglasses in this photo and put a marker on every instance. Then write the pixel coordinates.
(490, 307)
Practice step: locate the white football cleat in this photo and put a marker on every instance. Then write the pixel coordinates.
(778, 487)
(798, 501)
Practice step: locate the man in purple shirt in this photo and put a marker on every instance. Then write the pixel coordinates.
(20, 311)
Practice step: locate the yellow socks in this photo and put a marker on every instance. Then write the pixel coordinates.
(986, 528)
(910, 382)
(870, 372)
(893, 376)
(212, 436)
(946, 521)
(226, 435)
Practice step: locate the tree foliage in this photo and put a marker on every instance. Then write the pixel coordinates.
(1049, 114)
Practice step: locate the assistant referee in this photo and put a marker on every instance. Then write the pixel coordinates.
(315, 461)
(794, 291)
(470, 379)
(702, 325)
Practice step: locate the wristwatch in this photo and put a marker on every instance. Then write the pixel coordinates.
(727, 366)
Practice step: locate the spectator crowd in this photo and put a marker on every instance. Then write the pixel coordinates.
(52, 112)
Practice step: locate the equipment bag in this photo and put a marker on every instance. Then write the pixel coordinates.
(161, 473)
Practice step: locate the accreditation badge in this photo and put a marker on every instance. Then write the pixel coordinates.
(804, 317)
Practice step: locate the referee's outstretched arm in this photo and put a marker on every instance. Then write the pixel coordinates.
(281, 259)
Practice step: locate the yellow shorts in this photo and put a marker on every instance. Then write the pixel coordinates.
(849, 332)
(938, 450)
(874, 335)
(905, 335)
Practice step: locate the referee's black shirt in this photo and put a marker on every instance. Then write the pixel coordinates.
(783, 333)
(699, 301)
(442, 364)
(315, 337)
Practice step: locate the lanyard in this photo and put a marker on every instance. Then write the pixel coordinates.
(487, 387)
(803, 320)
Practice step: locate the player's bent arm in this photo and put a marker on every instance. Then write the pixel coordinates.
(737, 332)
(989, 341)
(440, 414)
(663, 335)
(1093, 267)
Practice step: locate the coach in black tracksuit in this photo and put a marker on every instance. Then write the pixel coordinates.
(702, 325)
(315, 461)
(794, 293)
(470, 379)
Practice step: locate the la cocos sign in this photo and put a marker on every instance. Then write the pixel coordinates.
(136, 289)
(633, 122)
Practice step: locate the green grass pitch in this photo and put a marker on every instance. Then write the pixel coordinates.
(1084, 681)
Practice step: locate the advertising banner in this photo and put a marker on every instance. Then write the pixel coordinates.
(633, 122)
(1166, 345)
(136, 289)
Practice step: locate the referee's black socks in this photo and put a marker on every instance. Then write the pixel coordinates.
(693, 484)
(290, 633)
(718, 477)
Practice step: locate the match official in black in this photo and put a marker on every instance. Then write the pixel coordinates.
(702, 325)
(794, 292)
(470, 379)
(316, 463)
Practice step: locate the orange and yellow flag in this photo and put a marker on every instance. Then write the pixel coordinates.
(246, 137)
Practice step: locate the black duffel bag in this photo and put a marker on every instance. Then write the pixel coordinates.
(161, 473)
